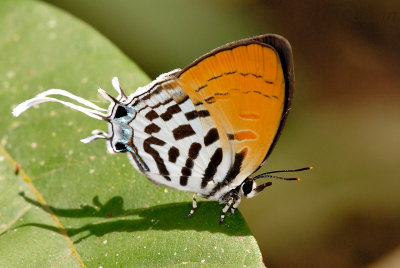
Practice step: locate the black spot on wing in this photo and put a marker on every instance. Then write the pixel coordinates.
(194, 150)
(156, 156)
(203, 113)
(189, 163)
(183, 180)
(191, 115)
(237, 164)
(211, 169)
(173, 154)
(211, 136)
(186, 171)
(171, 110)
(194, 114)
(155, 141)
(152, 128)
(183, 131)
(151, 115)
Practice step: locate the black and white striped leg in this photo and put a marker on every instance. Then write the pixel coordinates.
(224, 210)
(236, 203)
(194, 206)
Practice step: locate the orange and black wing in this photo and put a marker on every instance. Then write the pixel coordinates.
(247, 87)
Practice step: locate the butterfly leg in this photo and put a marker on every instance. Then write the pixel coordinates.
(194, 206)
(236, 203)
(224, 210)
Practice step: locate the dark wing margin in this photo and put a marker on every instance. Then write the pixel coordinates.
(282, 46)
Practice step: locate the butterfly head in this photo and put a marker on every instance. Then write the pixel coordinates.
(249, 187)
(120, 134)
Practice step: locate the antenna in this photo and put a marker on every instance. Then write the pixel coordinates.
(266, 174)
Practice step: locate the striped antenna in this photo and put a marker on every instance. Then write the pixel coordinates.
(266, 174)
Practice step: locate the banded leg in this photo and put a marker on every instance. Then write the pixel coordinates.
(236, 203)
(194, 206)
(224, 210)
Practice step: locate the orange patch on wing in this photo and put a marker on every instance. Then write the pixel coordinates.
(249, 116)
(244, 135)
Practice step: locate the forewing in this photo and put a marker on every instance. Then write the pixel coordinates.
(244, 87)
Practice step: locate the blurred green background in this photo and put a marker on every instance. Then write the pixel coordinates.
(345, 119)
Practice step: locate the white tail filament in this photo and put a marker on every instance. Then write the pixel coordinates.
(91, 109)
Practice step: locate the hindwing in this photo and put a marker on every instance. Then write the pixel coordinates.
(173, 138)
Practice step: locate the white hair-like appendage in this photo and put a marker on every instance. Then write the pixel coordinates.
(94, 112)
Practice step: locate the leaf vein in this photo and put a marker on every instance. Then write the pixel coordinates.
(19, 215)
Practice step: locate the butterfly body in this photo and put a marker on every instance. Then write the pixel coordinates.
(206, 128)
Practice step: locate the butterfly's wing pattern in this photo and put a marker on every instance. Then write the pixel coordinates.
(228, 106)
(206, 128)
(169, 138)
(246, 86)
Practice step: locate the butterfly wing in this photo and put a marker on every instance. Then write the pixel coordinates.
(203, 129)
(169, 137)
(206, 128)
(247, 87)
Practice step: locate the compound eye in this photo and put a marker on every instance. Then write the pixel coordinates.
(247, 187)
(121, 112)
(120, 147)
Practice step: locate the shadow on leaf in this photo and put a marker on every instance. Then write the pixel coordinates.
(162, 217)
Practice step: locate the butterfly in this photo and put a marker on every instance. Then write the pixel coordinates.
(205, 128)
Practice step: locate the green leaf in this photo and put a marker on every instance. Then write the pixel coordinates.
(67, 204)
